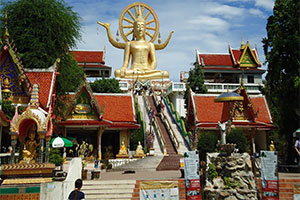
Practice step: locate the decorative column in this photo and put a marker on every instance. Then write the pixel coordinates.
(47, 148)
(253, 141)
(13, 137)
(21, 140)
(99, 135)
(41, 148)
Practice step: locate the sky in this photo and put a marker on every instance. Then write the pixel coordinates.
(206, 25)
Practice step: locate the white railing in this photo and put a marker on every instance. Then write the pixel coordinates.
(176, 87)
(222, 87)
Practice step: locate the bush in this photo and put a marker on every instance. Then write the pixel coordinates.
(55, 157)
(236, 136)
(206, 143)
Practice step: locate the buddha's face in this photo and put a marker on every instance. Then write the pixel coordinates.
(139, 29)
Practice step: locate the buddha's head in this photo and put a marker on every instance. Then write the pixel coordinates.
(139, 26)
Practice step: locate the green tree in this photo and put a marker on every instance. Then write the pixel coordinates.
(207, 142)
(42, 30)
(281, 47)
(196, 80)
(106, 86)
(236, 136)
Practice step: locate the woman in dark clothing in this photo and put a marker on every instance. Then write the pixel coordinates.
(77, 194)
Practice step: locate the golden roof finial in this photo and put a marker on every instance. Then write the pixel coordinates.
(243, 44)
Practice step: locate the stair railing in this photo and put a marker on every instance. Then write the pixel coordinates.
(156, 127)
(169, 128)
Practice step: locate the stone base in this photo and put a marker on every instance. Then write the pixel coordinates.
(120, 156)
(139, 155)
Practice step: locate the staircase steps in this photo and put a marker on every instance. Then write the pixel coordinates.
(113, 189)
(172, 160)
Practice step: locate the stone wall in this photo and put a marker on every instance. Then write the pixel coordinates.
(229, 177)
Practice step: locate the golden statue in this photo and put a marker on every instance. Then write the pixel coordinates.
(141, 51)
(26, 156)
(139, 152)
(31, 144)
(272, 146)
(123, 151)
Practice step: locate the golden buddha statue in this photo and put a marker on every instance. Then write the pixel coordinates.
(139, 152)
(141, 51)
(123, 151)
(31, 144)
(272, 146)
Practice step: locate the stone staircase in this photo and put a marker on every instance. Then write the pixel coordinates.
(171, 161)
(105, 190)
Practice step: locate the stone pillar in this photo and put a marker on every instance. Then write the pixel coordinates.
(253, 141)
(47, 148)
(41, 148)
(99, 135)
(13, 137)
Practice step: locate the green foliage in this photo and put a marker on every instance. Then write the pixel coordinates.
(137, 136)
(69, 78)
(206, 143)
(212, 171)
(236, 136)
(42, 30)
(230, 183)
(196, 80)
(55, 156)
(106, 86)
(282, 50)
(9, 109)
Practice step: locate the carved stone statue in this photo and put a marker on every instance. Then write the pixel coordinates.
(222, 127)
(31, 144)
(139, 50)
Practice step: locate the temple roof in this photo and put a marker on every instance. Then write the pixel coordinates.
(94, 109)
(46, 79)
(209, 113)
(90, 59)
(243, 57)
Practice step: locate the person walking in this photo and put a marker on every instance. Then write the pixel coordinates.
(76, 194)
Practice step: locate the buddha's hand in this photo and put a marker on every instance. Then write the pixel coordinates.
(105, 25)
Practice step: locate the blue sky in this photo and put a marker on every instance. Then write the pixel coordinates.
(206, 25)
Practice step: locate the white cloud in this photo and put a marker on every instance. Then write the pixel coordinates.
(267, 4)
(209, 23)
(257, 12)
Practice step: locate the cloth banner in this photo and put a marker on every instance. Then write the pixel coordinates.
(154, 190)
(269, 175)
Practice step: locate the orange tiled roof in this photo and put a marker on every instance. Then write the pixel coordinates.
(118, 108)
(44, 79)
(209, 113)
(221, 59)
(88, 56)
(215, 59)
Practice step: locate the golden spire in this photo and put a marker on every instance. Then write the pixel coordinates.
(6, 34)
(243, 44)
(34, 100)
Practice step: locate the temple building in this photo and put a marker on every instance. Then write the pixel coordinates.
(92, 63)
(237, 72)
(103, 120)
